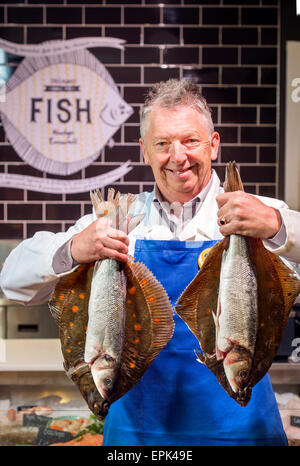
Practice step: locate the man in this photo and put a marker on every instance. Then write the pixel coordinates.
(178, 401)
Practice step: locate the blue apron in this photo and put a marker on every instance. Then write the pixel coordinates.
(179, 401)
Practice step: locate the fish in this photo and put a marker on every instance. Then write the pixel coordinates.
(128, 336)
(237, 306)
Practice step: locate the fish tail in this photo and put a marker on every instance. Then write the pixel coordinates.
(233, 180)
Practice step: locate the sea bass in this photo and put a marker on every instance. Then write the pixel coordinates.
(113, 318)
(237, 306)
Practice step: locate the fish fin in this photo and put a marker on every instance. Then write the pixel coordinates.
(199, 300)
(233, 180)
(149, 325)
(278, 288)
(135, 221)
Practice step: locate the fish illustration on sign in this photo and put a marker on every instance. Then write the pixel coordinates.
(71, 108)
(237, 306)
(113, 318)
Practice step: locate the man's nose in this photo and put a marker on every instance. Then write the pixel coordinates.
(177, 152)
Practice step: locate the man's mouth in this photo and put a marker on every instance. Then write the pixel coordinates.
(182, 170)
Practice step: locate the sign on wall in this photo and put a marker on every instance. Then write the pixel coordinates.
(60, 108)
(292, 134)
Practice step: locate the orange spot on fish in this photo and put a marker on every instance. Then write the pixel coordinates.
(129, 301)
(209, 311)
(131, 264)
(137, 340)
(68, 350)
(62, 296)
(79, 342)
(144, 282)
(131, 290)
(151, 299)
(156, 343)
(262, 324)
(106, 212)
(156, 320)
(75, 308)
(134, 316)
(81, 296)
(73, 291)
(131, 364)
(71, 324)
(137, 327)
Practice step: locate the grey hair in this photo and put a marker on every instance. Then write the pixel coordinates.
(171, 94)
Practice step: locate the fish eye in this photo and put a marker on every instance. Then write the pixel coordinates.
(108, 382)
(243, 374)
(108, 358)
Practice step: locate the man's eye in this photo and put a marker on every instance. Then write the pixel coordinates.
(161, 144)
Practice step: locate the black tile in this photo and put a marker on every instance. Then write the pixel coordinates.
(259, 55)
(11, 230)
(269, 36)
(268, 115)
(107, 54)
(14, 34)
(63, 15)
(47, 2)
(1, 15)
(135, 117)
(2, 133)
(102, 15)
(11, 194)
(220, 15)
(267, 154)
(82, 31)
(155, 74)
(220, 171)
(258, 174)
(135, 95)
(202, 2)
(90, 2)
(238, 75)
(132, 133)
(36, 34)
(8, 154)
(181, 55)
(128, 2)
(239, 35)
(200, 35)
(24, 212)
(202, 75)
(267, 190)
(125, 74)
(130, 34)
(155, 2)
(268, 75)
(141, 55)
(33, 228)
(241, 154)
(220, 95)
(256, 16)
(238, 114)
(228, 134)
(141, 15)
(140, 173)
(161, 35)
(173, 15)
(258, 95)
(95, 170)
(23, 15)
(269, 2)
(1, 212)
(220, 55)
(122, 153)
(238, 2)
(63, 211)
(36, 196)
(78, 197)
(259, 134)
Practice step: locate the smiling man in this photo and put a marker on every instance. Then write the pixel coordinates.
(178, 401)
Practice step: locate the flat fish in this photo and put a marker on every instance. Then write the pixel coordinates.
(127, 336)
(237, 306)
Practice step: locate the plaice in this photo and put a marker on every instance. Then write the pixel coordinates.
(277, 288)
(148, 323)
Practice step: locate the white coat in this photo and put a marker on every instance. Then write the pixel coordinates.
(28, 274)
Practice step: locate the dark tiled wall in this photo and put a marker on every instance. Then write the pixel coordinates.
(229, 47)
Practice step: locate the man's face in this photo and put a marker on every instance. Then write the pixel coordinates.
(179, 148)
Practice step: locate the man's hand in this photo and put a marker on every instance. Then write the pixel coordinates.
(99, 241)
(246, 215)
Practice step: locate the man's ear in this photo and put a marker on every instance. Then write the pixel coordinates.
(215, 143)
(144, 152)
